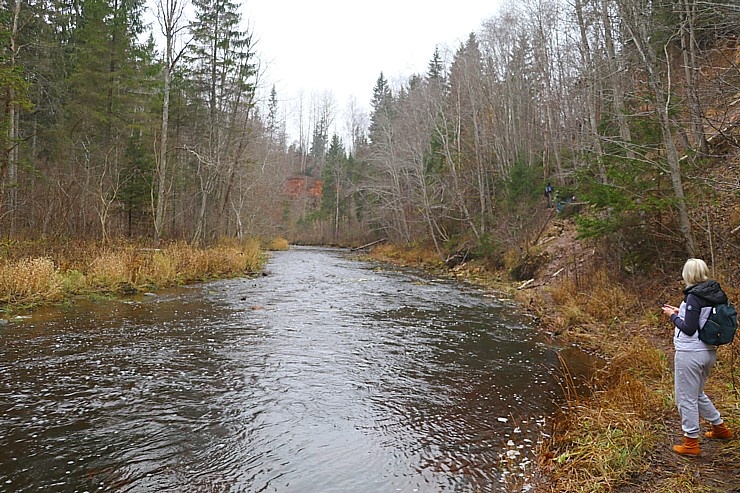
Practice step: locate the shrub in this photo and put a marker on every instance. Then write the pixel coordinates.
(30, 280)
(111, 271)
(278, 244)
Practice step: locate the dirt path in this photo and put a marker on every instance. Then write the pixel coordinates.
(710, 469)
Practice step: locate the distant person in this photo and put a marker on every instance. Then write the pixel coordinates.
(548, 194)
(694, 359)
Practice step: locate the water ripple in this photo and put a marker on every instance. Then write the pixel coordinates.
(327, 375)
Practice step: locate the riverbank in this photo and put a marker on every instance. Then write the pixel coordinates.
(617, 438)
(39, 272)
(326, 373)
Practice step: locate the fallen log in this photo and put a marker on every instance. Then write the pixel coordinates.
(368, 245)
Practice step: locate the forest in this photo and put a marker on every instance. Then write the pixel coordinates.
(618, 103)
(124, 122)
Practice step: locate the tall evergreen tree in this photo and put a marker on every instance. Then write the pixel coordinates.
(381, 106)
(224, 72)
(334, 170)
(104, 78)
(222, 56)
(435, 71)
(106, 94)
(272, 113)
(14, 89)
(319, 142)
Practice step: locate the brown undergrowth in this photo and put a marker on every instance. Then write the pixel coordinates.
(418, 256)
(617, 437)
(43, 271)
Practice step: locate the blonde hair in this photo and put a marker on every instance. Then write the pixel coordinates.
(695, 271)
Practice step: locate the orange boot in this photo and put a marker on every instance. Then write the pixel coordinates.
(690, 446)
(719, 431)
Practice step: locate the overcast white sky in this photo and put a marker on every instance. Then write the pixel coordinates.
(341, 46)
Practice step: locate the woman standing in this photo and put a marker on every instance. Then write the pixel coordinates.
(694, 359)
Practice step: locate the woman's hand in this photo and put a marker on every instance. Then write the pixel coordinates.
(669, 310)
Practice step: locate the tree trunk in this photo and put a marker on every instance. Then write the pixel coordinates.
(169, 14)
(9, 167)
(591, 89)
(616, 81)
(640, 36)
(688, 46)
(162, 162)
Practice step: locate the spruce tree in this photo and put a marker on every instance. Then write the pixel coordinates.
(332, 176)
(381, 107)
(223, 72)
(435, 70)
(105, 97)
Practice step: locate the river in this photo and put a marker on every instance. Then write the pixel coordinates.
(327, 374)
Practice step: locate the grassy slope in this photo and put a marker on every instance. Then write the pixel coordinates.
(619, 438)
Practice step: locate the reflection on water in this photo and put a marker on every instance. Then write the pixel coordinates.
(327, 375)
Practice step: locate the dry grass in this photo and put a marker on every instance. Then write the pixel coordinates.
(684, 481)
(29, 280)
(602, 299)
(588, 314)
(419, 255)
(602, 439)
(110, 271)
(278, 245)
(86, 269)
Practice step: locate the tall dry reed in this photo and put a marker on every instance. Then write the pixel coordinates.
(74, 268)
(29, 281)
(415, 255)
(278, 245)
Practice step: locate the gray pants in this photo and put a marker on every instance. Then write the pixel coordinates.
(692, 371)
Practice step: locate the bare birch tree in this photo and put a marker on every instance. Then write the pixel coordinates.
(461, 136)
(615, 69)
(170, 15)
(691, 71)
(9, 163)
(224, 72)
(589, 70)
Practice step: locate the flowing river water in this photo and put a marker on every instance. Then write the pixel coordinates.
(328, 374)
